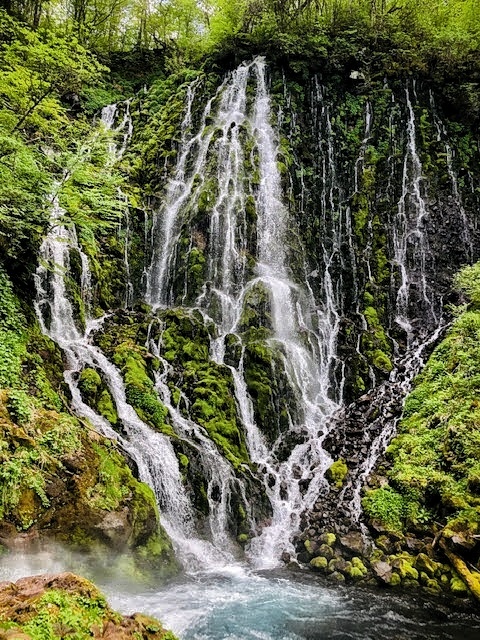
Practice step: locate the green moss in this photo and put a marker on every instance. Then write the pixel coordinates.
(354, 573)
(272, 396)
(195, 270)
(319, 563)
(185, 343)
(358, 564)
(106, 407)
(458, 587)
(405, 568)
(328, 538)
(436, 455)
(375, 344)
(395, 580)
(139, 386)
(113, 477)
(337, 472)
(89, 382)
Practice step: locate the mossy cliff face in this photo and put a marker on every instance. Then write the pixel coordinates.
(52, 607)
(421, 502)
(174, 345)
(345, 146)
(59, 479)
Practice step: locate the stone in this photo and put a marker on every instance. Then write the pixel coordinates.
(311, 546)
(433, 587)
(319, 563)
(358, 564)
(337, 576)
(458, 587)
(395, 580)
(304, 557)
(326, 551)
(20, 604)
(385, 544)
(328, 538)
(414, 545)
(405, 569)
(354, 573)
(426, 564)
(115, 526)
(354, 543)
(410, 583)
(286, 557)
(383, 571)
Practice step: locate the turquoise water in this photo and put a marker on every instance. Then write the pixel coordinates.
(236, 603)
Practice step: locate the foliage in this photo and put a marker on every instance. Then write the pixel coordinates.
(394, 34)
(39, 74)
(12, 335)
(436, 455)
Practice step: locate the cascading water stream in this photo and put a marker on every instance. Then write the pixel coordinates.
(413, 256)
(302, 333)
(122, 134)
(415, 262)
(152, 452)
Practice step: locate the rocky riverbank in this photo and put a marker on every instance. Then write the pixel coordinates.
(65, 605)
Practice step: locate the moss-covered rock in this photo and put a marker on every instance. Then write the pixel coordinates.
(66, 482)
(319, 564)
(337, 472)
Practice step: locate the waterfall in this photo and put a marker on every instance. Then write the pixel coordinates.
(413, 256)
(302, 333)
(152, 452)
(122, 134)
(224, 209)
(442, 137)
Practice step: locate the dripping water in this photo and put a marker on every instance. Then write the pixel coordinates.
(303, 333)
(152, 452)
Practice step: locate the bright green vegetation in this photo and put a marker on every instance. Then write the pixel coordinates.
(435, 473)
(408, 34)
(337, 472)
(47, 149)
(57, 609)
(57, 476)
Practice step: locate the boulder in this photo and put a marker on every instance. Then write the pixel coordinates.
(383, 571)
(353, 543)
(425, 564)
